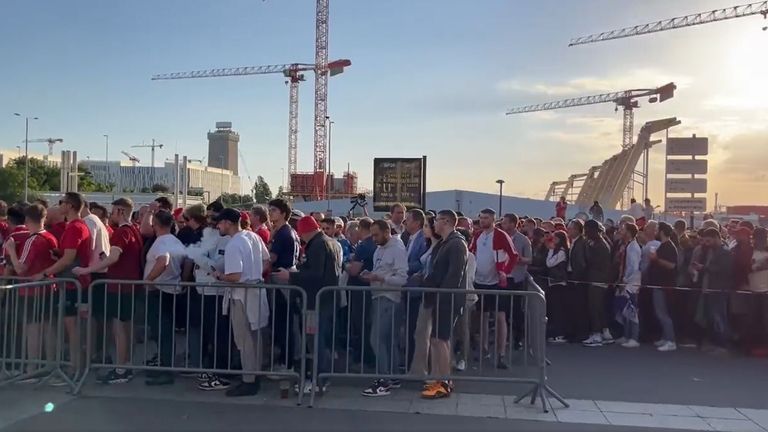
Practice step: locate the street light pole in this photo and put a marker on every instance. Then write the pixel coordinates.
(222, 179)
(501, 191)
(26, 155)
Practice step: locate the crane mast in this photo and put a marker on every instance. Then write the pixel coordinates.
(757, 8)
(321, 95)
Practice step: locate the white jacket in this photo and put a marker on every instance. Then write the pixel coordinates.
(208, 254)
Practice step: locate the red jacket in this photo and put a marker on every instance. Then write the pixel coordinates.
(502, 242)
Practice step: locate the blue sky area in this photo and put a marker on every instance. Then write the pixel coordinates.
(428, 77)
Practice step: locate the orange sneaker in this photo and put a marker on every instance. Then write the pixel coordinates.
(438, 390)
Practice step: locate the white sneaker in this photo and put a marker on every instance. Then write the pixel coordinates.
(607, 338)
(622, 340)
(659, 343)
(668, 346)
(461, 365)
(631, 343)
(594, 341)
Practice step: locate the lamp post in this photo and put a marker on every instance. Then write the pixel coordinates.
(222, 179)
(26, 154)
(328, 165)
(19, 150)
(500, 182)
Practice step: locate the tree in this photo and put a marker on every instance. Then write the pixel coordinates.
(160, 188)
(235, 200)
(86, 182)
(261, 191)
(280, 192)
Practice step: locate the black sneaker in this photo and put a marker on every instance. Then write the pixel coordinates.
(214, 383)
(154, 361)
(502, 364)
(395, 384)
(244, 389)
(204, 377)
(117, 376)
(378, 388)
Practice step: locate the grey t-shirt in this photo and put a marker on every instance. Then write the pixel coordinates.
(523, 247)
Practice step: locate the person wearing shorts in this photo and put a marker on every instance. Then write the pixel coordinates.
(115, 302)
(37, 303)
(74, 251)
(449, 273)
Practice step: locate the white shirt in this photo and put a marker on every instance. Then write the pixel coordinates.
(99, 238)
(486, 273)
(632, 259)
(167, 245)
(636, 210)
(245, 254)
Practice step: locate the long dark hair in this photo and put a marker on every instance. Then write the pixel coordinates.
(563, 243)
(430, 221)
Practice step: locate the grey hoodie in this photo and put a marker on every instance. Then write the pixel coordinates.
(391, 262)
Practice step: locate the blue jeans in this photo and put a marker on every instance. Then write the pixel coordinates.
(384, 335)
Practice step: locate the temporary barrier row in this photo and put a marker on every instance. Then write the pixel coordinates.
(216, 330)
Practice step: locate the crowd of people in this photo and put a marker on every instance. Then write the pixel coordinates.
(631, 281)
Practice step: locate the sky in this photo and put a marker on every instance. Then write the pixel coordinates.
(428, 77)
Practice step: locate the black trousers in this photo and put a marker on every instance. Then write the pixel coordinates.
(205, 315)
(160, 317)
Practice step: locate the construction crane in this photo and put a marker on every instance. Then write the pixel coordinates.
(294, 75)
(134, 160)
(152, 146)
(758, 8)
(51, 142)
(626, 99)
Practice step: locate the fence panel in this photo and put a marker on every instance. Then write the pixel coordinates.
(210, 331)
(404, 327)
(32, 342)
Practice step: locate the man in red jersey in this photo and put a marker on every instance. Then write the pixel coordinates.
(75, 251)
(37, 303)
(17, 232)
(122, 263)
(55, 223)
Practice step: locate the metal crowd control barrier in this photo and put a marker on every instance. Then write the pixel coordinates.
(32, 324)
(221, 329)
(392, 324)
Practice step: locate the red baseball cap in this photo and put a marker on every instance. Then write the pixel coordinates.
(244, 216)
(177, 212)
(306, 225)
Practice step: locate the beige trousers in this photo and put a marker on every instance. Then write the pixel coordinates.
(248, 341)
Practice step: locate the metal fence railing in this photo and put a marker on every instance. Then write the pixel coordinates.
(115, 328)
(400, 324)
(33, 319)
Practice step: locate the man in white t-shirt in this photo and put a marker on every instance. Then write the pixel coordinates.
(245, 258)
(99, 239)
(163, 268)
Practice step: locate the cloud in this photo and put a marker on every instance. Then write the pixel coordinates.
(636, 78)
(740, 175)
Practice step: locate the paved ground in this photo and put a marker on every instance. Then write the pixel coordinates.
(610, 388)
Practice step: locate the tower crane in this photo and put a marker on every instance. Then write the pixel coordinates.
(757, 8)
(626, 99)
(51, 142)
(134, 160)
(294, 75)
(152, 146)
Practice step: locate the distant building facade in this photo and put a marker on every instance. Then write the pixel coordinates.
(223, 147)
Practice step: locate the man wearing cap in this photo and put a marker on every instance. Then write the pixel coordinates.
(245, 257)
(320, 268)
